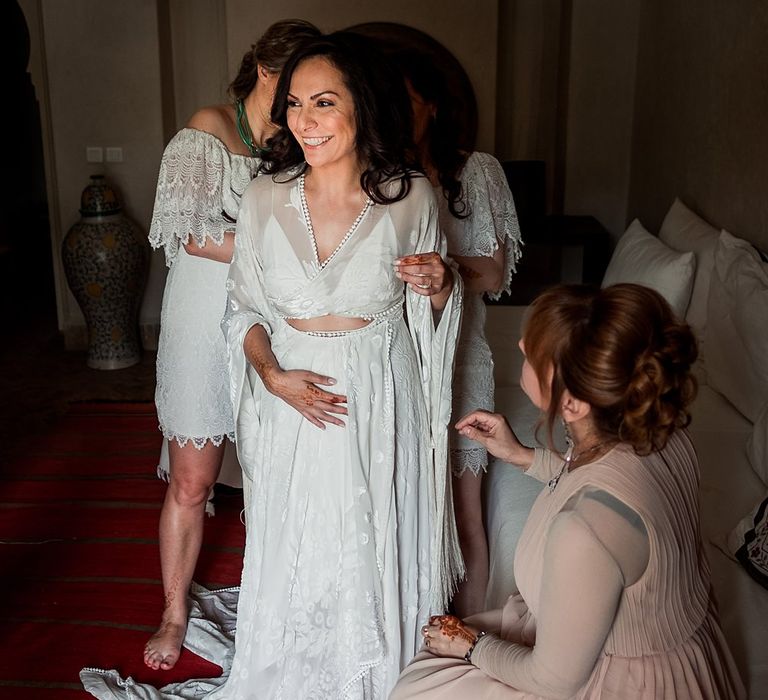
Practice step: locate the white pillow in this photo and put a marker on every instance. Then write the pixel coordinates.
(736, 335)
(757, 447)
(684, 230)
(642, 258)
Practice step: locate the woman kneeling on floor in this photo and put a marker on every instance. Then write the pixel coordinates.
(614, 584)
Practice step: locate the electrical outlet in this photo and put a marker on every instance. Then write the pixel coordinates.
(114, 154)
(94, 154)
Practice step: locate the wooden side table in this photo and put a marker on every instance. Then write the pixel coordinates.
(556, 249)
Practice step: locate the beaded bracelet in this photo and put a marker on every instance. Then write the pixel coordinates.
(468, 655)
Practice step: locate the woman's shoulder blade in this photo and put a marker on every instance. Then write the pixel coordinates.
(195, 139)
(214, 120)
(215, 127)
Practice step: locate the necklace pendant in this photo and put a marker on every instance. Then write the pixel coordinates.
(555, 480)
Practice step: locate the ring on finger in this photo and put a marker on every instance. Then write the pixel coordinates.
(428, 285)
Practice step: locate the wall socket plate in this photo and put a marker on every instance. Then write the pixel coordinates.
(114, 154)
(94, 154)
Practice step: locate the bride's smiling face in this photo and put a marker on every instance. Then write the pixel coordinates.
(321, 113)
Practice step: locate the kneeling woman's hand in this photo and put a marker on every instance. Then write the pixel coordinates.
(492, 431)
(448, 635)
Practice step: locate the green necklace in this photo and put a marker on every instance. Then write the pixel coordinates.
(244, 129)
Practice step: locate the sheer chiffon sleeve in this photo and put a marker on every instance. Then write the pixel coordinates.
(436, 348)
(247, 306)
(595, 547)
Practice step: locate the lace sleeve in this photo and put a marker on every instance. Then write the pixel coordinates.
(492, 220)
(191, 189)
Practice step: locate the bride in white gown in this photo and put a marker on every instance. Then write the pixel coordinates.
(341, 330)
(340, 397)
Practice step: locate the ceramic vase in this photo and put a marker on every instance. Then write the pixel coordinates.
(106, 258)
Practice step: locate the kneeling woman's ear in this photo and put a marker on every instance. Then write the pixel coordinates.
(573, 409)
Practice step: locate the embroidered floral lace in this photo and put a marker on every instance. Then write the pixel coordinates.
(492, 223)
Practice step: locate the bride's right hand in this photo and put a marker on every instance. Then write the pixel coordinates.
(299, 389)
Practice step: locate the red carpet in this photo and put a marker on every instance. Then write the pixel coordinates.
(80, 568)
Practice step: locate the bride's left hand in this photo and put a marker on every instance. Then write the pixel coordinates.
(425, 273)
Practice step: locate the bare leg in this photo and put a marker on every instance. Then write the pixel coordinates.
(193, 473)
(467, 500)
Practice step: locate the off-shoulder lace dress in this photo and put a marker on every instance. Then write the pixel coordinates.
(491, 224)
(198, 195)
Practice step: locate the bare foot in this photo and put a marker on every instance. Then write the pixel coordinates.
(164, 646)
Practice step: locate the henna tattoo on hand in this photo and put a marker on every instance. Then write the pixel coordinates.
(311, 393)
(418, 258)
(452, 627)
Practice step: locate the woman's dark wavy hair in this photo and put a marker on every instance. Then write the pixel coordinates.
(622, 350)
(445, 128)
(382, 116)
(272, 50)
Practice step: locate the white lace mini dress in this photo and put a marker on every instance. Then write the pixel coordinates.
(198, 196)
(491, 224)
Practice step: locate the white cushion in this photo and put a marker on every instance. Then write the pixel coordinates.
(641, 258)
(757, 447)
(684, 230)
(736, 335)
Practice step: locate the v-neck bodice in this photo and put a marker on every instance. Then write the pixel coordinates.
(357, 279)
(311, 230)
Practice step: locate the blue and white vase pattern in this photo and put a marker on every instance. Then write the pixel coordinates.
(106, 258)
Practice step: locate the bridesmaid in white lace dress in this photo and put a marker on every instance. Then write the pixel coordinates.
(477, 215)
(204, 170)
